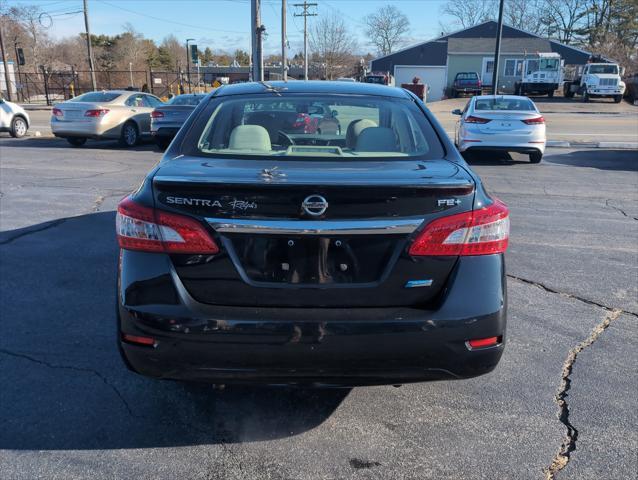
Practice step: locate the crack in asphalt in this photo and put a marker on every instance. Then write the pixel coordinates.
(73, 368)
(562, 457)
(618, 209)
(572, 296)
(31, 231)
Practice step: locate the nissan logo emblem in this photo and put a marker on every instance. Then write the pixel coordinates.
(315, 205)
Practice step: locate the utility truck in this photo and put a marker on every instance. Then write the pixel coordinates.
(540, 73)
(596, 80)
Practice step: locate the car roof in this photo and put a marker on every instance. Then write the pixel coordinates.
(311, 86)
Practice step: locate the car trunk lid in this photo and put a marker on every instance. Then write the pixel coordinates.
(278, 253)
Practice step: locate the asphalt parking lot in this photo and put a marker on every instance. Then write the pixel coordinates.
(567, 381)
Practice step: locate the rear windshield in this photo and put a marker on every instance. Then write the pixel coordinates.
(604, 69)
(515, 104)
(96, 97)
(186, 100)
(301, 126)
(467, 76)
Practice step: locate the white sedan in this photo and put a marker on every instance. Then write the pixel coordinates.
(506, 123)
(13, 119)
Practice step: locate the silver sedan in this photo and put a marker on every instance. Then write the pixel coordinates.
(501, 123)
(115, 114)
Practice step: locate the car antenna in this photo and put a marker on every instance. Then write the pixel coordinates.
(272, 88)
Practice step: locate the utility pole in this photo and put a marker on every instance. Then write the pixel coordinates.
(6, 65)
(497, 52)
(188, 64)
(284, 62)
(305, 13)
(257, 41)
(17, 64)
(88, 45)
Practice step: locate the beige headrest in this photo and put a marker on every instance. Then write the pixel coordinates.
(249, 137)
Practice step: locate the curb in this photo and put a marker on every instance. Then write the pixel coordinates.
(615, 145)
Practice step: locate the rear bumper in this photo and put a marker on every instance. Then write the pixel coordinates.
(313, 346)
(165, 131)
(93, 130)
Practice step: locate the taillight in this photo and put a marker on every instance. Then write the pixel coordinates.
(56, 112)
(534, 121)
(301, 120)
(480, 232)
(473, 119)
(149, 230)
(98, 112)
(157, 114)
(479, 83)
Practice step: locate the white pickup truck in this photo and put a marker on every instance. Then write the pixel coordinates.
(596, 80)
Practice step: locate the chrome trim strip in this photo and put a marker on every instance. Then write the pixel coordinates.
(315, 227)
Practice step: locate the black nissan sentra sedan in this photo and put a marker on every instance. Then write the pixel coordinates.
(259, 252)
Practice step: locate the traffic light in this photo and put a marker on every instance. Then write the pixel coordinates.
(20, 56)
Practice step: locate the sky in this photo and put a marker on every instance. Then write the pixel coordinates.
(225, 24)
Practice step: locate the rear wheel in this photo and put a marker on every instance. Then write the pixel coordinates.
(162, 143)
(617, 98)
(550, 94)
(76, 141)
(130, 136)
(18, 127)
(535, 157)
(586, 96)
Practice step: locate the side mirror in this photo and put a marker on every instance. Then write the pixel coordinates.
(335, 113)
(1, 100)
(457, 111)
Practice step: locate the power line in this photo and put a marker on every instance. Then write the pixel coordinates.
(172, 22)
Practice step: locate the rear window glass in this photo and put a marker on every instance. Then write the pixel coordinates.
(515, 104)
(97, 97)
(296, 125)
(467, 76)
(186, 100)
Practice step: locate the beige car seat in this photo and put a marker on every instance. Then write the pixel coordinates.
(354, 130)
(377, 139)
(250, 137)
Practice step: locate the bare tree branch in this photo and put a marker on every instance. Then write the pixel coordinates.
(386, 28)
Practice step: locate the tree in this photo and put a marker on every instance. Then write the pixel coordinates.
(332, 46)
(561, 18)
(207, 56)
(386, 28)
(467, 13)
(242, 57)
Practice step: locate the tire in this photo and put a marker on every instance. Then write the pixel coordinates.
(586, 96)
(517, 89)
(455, 94)
(19, 127)
(130, 135)
(76, 141)
(567, 91)
(162, 143)
(535, 157)
(550, 94)
(617, 98)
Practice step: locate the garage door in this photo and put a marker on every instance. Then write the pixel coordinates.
(434, 77)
